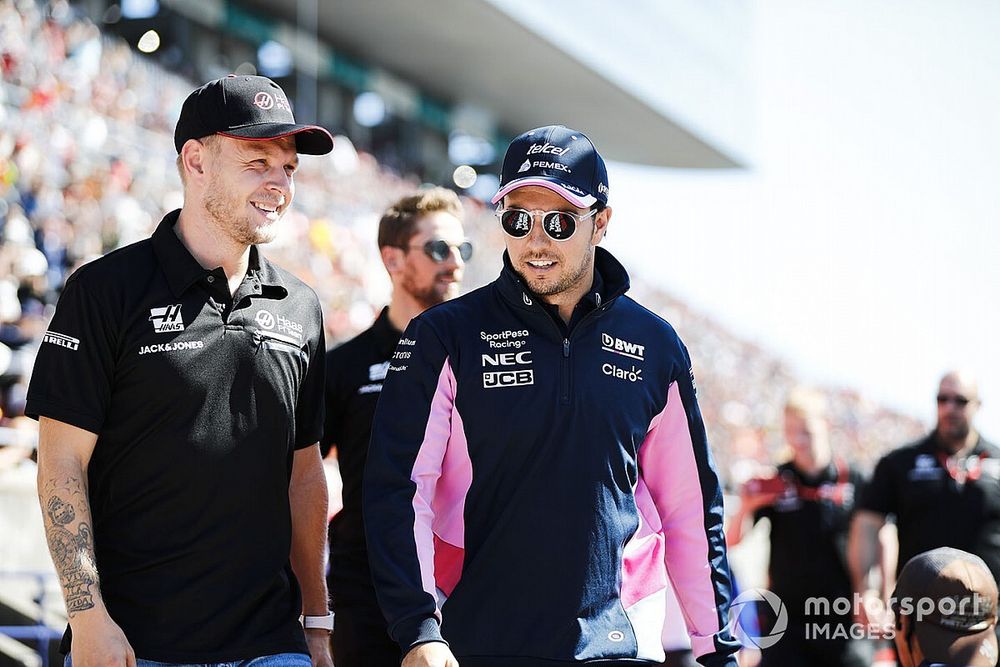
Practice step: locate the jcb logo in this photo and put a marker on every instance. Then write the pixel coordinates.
(508, 378)
(622, 347)
(507, 359)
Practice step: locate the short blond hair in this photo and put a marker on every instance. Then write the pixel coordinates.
(806, 402)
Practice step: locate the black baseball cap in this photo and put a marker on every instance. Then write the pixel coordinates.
(958, 624)
(246, 107)
(560, 159)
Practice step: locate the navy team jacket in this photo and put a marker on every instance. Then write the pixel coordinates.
(527, 496)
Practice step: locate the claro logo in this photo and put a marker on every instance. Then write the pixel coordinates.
(515, 377)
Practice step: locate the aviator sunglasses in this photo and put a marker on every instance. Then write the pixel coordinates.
(439, 250)
(958, 400)
(558, 225)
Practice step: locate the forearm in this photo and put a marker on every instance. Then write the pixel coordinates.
(863, 551)
(738, 525)
(308, 499)
(62, 494)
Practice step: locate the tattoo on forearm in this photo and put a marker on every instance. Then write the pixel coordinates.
(72, 552)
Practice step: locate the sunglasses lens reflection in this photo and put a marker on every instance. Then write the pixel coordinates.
(559, 226)
(516, 223)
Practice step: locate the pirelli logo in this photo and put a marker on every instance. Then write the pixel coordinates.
(62, 340)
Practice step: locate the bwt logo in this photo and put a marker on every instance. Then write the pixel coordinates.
(507, 359)
(623, 347)
(546, 148)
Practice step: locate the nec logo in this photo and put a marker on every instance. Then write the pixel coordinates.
(546, 148)
(166, 319)
(622, 347)
(507, 359)
(508, 378)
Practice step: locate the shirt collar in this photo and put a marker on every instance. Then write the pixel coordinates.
(183, 270)
(386, 335)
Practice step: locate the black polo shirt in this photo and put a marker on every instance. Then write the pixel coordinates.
(809, 527)
(199, 400)
(935, 507)
(354, 375)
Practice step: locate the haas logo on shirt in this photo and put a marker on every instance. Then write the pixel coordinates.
(167, 319)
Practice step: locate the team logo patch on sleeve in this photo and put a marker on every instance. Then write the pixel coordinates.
(167, 319)
(62, 340)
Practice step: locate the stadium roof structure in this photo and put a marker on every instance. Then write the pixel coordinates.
(473, 53)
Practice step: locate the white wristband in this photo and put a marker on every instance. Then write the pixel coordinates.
(318, 622)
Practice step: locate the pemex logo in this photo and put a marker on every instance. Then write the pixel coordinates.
(751, 637)
(525, 166)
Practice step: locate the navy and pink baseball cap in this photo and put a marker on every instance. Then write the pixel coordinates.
(560, 159)
(246, 107)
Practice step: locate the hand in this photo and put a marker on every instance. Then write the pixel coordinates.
(751, 502)
(431, 654)
(874, 614)
(318, 641)
(97, 640)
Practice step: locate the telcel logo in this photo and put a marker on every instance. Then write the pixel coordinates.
(546, 148)
(507, 359)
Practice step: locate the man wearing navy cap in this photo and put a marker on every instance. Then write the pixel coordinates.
(538, 465)
(179, 391)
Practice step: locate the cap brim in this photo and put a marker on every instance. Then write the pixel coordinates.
(551, 184)
(956, 648)
(309, 139)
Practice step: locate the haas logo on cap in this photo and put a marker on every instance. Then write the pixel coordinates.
(263, 101)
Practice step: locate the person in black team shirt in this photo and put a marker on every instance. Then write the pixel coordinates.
(179, 393)
(944, 491)
(424, 249)
(809, 503)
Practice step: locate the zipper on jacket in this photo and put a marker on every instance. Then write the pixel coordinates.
(564, 397)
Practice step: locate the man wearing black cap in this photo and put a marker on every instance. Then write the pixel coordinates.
(945, 604)
(179, 393)
(538, 464)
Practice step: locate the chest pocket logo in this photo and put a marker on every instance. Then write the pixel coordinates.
(272, 341)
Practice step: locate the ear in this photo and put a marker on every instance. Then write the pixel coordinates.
(193, 157)
(601, 221)
(392, 258)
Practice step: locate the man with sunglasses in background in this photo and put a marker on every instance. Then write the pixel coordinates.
(538, 462)
(424, 249)
(943, 490)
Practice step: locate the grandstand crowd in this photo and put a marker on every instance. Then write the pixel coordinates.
(87, 166)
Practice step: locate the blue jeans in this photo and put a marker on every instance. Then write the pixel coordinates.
(276, 660)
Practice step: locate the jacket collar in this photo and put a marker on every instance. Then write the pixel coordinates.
(610, 282)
